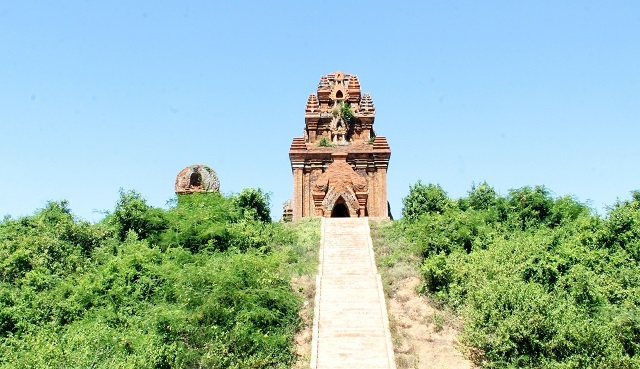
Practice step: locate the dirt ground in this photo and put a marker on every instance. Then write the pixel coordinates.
(305, 285)
(424, 337)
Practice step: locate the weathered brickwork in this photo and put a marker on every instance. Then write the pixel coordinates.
(339, 166)
(197, 178)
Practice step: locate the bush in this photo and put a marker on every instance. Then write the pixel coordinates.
(324, 142)
(566, 209)
(208, 288)
(133, 213)
(510, 321)
(437, 273)
(622, 228)
(529, 207)
(200, 221)
(539, 282)
(346, 112)
(424, 199)
(481, 197)
(47, 245)
(255, 204)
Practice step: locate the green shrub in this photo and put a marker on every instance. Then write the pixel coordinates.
(346, 112)
(622, 228)
(539, 282)
(510, 321)
(481, 197)
(529, 207)
(48, 245)
(437, 273)
(324, 142)
(255, 204)
(133, 213)
(208, 288)
(566, 209)
(424, 199)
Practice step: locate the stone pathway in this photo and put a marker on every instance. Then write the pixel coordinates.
(350, 325)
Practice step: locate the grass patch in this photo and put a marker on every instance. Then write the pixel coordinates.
(303, 282)
(396, 258)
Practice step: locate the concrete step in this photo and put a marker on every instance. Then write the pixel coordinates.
(350, 324)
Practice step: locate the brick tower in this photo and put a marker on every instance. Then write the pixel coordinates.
(339, 166)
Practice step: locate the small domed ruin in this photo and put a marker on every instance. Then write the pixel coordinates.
(339, 165)
(197, 178)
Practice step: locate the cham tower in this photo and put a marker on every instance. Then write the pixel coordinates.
(339, 165)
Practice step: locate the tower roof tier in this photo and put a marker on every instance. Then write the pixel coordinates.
(339, 112)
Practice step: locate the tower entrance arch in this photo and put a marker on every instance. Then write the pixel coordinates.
(340, 211)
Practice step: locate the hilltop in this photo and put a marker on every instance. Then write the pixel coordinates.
(524, 280)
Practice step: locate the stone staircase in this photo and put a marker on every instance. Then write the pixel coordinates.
(350, 325)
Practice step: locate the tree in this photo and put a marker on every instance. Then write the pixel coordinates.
(481, 197)
(133, 213)
(529, 206)
(424, 199)
(255, 204)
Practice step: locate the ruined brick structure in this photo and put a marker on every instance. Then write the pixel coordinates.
(197, 178)
(339, 165)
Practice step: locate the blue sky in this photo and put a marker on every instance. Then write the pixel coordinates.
(98, 96)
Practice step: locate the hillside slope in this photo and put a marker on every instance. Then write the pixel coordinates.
(425, 334)
(206, 283)
(532, 281)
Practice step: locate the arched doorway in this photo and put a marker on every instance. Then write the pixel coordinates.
(340, 211)
(195, 180)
